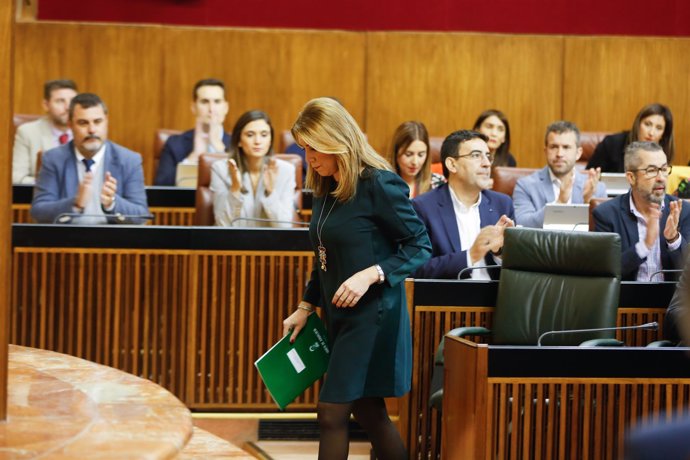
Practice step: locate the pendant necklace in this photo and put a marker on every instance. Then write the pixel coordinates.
(319, 229)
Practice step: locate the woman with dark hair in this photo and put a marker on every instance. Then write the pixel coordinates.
(367, 239)
(494, 125)
(251, 184)
(654, 123)
(412, 159)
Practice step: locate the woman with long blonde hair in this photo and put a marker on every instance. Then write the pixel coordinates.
(367, 239)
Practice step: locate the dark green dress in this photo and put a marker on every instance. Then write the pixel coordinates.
(371, 345)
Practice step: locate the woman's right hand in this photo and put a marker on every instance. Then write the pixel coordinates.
(234, 173)
(295, 323)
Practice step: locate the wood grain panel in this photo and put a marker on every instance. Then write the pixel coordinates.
(446, 80)
(607, 80)
(276, 71)
(121, 64)
(6, 76)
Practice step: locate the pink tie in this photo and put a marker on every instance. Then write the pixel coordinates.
(63, 138)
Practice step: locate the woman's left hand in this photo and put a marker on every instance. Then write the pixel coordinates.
(270, 173)
(353, 288)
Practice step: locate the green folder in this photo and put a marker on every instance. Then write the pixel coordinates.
(288, 369)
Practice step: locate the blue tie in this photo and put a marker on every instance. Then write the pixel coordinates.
(88, 162)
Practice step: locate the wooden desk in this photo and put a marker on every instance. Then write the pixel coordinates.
(169, 205)
(555, 402)
(188, 308)
(437, 306)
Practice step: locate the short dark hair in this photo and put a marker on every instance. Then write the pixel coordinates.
(451, 145)
(631, 157)
(207, 82)
(560, 127)
(86, 100)
(52, 85)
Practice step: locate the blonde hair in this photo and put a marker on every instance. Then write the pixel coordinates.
(325, 126)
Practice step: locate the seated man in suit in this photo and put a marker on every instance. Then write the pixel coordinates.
(464, 219)
(653, 226)
(559, 181)
(90, 175)
(208, 136)
(45, 133)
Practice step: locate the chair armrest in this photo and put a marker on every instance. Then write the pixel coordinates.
(470, 330)
(458, 332)
(602, 343)
(436, 400)
(661, 344)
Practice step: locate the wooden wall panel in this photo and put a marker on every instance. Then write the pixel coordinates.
(607, 80)
(145, 74)
(6, 77)
(121, 64)
(446, 80)
(272, 70)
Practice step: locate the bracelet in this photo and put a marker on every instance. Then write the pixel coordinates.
(382, 276)
(305, 307)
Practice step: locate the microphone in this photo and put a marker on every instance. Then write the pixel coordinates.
(68, 217)
(272, 221)
(653, 326)
(668, 270)
(478, 267)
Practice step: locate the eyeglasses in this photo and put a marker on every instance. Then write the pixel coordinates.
(650, 172)
(477, 156)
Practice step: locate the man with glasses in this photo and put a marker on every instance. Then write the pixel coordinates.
(465, 219)
(559, 181)
(653, 226)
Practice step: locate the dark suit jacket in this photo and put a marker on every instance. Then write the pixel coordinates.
(58, 183)
(435, 208)
(608, 154)
(615, 216)
(176, 149)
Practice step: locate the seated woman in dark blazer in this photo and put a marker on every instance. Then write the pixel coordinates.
(653, 123)
(494, 125)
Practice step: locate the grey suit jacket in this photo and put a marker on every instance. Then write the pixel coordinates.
(29, 139)
(58, 183)
(533, 192)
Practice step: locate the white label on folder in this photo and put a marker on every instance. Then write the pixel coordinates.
(296, 360)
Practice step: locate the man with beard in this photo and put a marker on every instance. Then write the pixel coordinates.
(90, 175)
(464, 219)
(559, 181)
(45, 133)
(653, 226)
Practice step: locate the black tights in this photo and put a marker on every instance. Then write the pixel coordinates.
(372, 416)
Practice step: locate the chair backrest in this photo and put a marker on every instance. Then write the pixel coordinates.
(552, 281)
(593, 203)
(296, 161)
(162, 135)
(589, 141)
(204, 195)
(506, 177)
(435, 144)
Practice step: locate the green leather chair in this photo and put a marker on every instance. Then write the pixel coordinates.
(551, 281)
